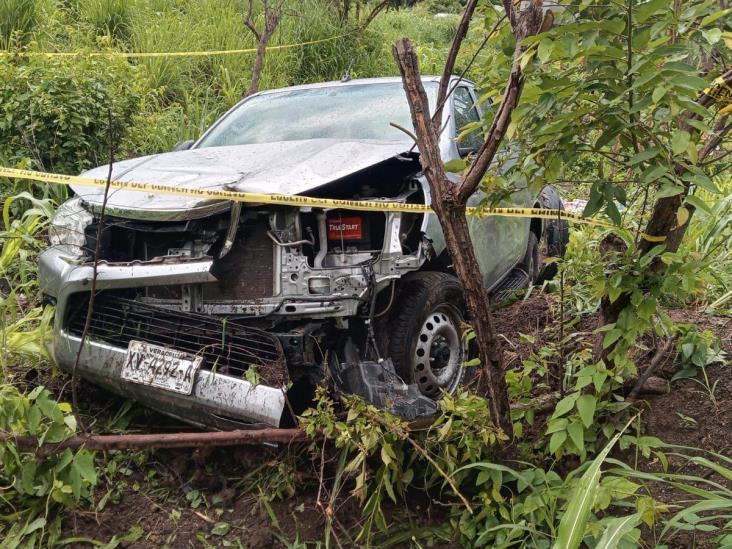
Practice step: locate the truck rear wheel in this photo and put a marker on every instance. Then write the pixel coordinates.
(426, 333)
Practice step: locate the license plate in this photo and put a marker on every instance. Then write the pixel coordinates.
(161, 367)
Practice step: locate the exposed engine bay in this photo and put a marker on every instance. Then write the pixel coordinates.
(293, 290)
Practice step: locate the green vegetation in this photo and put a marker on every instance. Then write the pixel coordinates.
(582, 470)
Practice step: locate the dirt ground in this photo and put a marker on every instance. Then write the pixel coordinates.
(266, 496)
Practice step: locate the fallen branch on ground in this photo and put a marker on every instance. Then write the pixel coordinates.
(647, 374)
(158, 440)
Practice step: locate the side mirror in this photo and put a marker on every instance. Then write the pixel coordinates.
(184, 145)
(465, 151)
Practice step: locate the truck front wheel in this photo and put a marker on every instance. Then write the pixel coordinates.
(427, 327)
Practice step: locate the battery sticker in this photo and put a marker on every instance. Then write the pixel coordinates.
(345, 228)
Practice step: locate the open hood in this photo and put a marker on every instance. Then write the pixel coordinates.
(285, 167)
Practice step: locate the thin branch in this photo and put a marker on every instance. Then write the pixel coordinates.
(249, 22)
(372, 15)
(405, 130)
(93, 292)
(527, 23)
(657, 358)
(404, 435)
(460, 34)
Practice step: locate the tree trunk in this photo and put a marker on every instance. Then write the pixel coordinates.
(457, 237)
(451, 214)
(449, 199)
(664, 221)
(271, 20)
(257, 68)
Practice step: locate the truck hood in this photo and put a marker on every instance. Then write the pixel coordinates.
(285, 167)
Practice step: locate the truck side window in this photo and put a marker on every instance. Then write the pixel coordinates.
(465, 113)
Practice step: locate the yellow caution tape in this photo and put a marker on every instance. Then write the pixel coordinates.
(720, 91)
(136, 55)
(297, 200)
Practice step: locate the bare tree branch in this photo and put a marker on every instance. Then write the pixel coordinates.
(374, 12)
(461, 33)
(272, 15)
(528, 22)
(158, 440)
(249, 22)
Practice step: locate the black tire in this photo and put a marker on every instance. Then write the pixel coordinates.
(556, 233)
(531, 264)
(426, 327)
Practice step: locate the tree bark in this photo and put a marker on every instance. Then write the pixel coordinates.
(163, 440)
(271, 20)
(451, 214)
(449, 200)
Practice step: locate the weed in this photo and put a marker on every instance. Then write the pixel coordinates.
(17, 20)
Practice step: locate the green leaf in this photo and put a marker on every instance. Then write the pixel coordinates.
(688, 81)
(680, 141)
(658, 93)
(644, 11)
(36, 524)
(612, 212)
(84, 464)
(574, 520)
(698, 203)
(555, 425)
(653, 173)
(221, 529)
(565, 405)
(644, 155)
(546, 47)
(577, 435)
(611, 337)
(616, 529)
(669, 189)
(703, 181)
(709, 19)
(712, 35)
(557, 440)
(586, 407)
(456, 165)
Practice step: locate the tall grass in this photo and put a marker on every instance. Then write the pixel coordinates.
(185, 94)
(710, 236)
(108, 17)
(17, 19)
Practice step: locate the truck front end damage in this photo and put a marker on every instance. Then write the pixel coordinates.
(266, 301)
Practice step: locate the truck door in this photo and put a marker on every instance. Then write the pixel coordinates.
(500, 242)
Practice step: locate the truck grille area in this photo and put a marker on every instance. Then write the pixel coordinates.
(226, 347)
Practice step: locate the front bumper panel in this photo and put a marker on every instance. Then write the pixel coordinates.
(218, 399)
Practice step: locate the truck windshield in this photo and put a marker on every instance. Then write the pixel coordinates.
(354, 111)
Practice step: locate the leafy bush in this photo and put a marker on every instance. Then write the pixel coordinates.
(54, 111)
(34, 487)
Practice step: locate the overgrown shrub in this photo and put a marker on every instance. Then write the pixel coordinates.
(36, 488)
(54, 111)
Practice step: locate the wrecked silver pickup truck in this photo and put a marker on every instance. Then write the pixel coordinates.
(230, 315)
